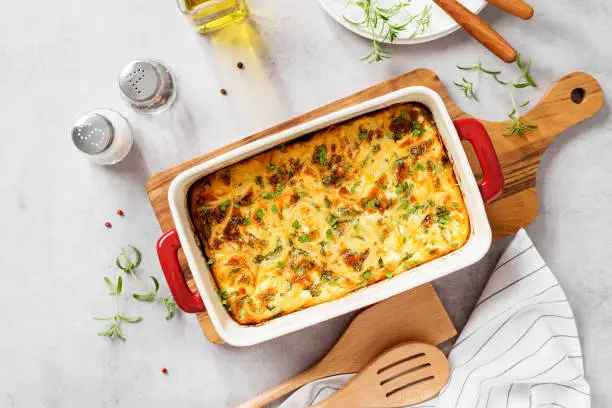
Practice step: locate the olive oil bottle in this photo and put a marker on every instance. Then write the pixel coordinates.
(209, 15)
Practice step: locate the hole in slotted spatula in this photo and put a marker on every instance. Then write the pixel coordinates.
(403, 387)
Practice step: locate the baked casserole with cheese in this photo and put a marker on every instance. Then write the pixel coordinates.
(311, 221)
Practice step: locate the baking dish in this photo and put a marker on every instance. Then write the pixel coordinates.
(478, 242)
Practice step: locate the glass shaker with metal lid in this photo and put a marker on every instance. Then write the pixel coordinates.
(147, 86)
(104, 136)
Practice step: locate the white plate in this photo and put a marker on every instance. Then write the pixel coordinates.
(441, 24)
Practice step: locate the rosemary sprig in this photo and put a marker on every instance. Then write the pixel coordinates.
(517, 125)
(468, 88)
(114, 331)
(129, 266)
(478, 67)
(378, 22)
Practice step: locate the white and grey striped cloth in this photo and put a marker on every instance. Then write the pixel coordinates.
(519, 349)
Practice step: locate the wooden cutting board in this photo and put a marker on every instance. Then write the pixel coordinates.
(570, 100)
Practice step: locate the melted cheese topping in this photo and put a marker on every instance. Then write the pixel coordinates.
(339, 210)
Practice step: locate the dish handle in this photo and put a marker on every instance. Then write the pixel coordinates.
(492, 183)
(167, 252)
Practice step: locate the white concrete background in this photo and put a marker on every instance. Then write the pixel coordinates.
(60, 59)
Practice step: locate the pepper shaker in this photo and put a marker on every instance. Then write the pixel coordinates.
(104, 136)
(147, 86)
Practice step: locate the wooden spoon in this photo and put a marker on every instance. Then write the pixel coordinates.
(517, 8)
(405, 375)
(416, 315)
(478, 29)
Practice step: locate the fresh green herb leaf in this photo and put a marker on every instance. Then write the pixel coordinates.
(381, 23)
(303, 238)
(259, 214)
(210, 262)
(272, 195)
(367, 275)
(329, 233)
(274, 253)
(363, 135)
(420, 167)
(280, 264)
(296, 224)
(274, 209)
(354, 188)
(468, 89)
(517, 126)
(223, 206)
(388, 274)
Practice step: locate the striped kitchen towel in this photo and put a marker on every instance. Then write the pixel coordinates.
(519, 349)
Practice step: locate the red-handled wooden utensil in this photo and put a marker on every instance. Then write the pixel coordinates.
(478, 29)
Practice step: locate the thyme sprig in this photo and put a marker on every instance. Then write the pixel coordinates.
(114, 331)
(128, 266)
(378, 22)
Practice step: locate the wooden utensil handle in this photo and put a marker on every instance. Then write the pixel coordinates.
(280, 390)
(517, 8)
(478, 29)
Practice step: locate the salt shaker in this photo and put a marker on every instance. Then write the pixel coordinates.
(104, 136)
(147, 86)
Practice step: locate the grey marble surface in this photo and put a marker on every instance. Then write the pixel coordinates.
(60, 59)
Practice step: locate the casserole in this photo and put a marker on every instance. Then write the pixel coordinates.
(475, 247)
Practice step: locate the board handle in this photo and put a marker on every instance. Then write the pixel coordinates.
(167, 252)
(492, 183)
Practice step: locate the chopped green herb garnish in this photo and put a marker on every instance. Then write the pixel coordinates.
(224, 205)
(384, 186)
(328, 233)
(380, 262)
(388, 274)
(274, 209)
(272, 195)
(363, 135)
(372, 203)
(322, 155)
(404, 202)
(259, 214)
(296, 224)
(280, 264)
(367, 275)
(420, 167)
(413, 208)
(278, 247)
(304, 238)
(354, 188)
(210, 262)
(390, 136)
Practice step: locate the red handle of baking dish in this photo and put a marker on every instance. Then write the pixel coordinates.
(492, 183)
(167, 252)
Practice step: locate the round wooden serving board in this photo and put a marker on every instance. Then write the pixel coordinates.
(559, 109)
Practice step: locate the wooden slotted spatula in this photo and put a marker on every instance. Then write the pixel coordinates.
(407, 374)
(416, 315)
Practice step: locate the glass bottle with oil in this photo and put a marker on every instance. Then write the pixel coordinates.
(209, 15)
